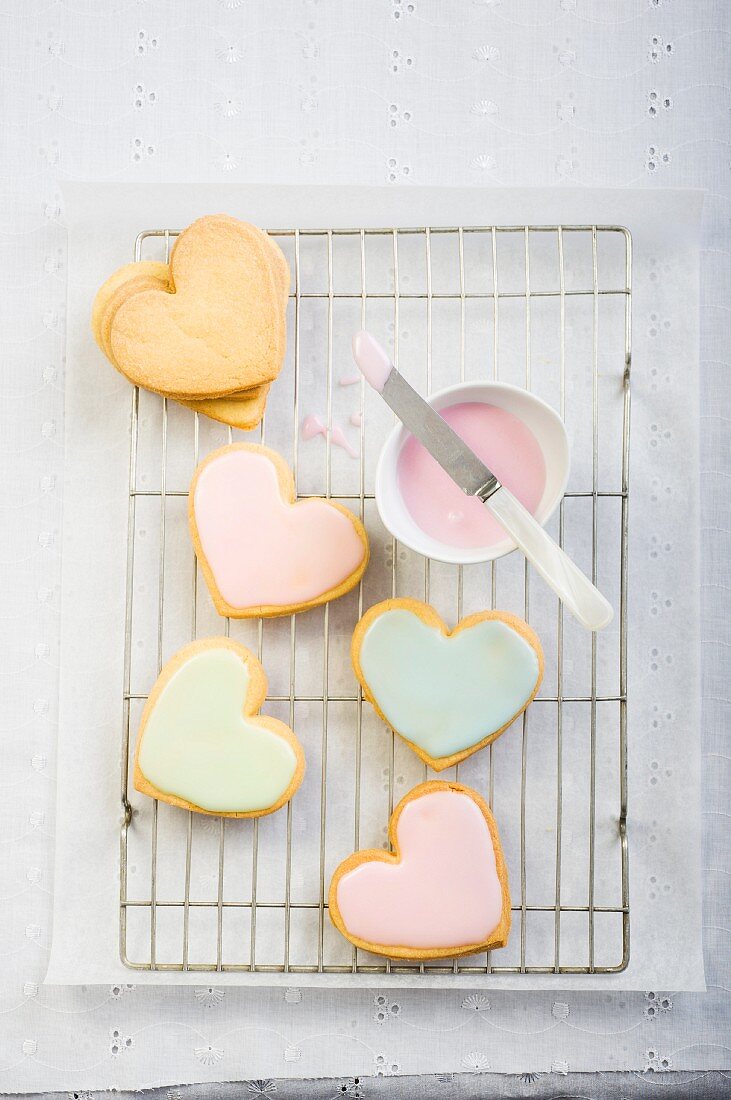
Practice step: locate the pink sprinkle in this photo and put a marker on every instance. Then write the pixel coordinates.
(350, 380)
(356, 419)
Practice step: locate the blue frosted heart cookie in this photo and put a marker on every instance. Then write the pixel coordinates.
(448, 693)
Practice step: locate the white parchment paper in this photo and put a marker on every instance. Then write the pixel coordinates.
(663, 684)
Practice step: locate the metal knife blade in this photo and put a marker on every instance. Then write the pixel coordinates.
(470, 473)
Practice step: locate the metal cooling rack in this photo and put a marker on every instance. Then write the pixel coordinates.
(214, 913)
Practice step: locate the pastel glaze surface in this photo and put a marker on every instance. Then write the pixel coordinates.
(262, 550)
(197, 743)
(444, 891)
(439, 507)
(446, 694)
(372, 360)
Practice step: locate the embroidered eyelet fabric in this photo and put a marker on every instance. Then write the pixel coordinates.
(396, 92)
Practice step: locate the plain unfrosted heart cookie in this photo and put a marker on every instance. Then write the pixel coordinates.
(448, 693)
(216, 326)
(262, 552)
(202, 744)
(441, 893)
(217, 329)
(243, 410)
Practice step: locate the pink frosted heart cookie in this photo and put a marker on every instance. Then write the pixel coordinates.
(262, 552)
(442, 892)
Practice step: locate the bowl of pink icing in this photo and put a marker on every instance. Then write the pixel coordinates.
(521, 439)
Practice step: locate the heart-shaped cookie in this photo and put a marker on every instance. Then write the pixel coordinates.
(243, 410)
(446, 692)
(261, 552)
(203, 746)
(214, 327)
(441, 893)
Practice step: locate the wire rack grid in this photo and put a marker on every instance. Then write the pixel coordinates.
(525, 304)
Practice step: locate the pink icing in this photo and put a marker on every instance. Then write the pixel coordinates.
(435, 502)
(312, 426)
(444, 892)
(371, 359)
(261, 549)
(339, 438)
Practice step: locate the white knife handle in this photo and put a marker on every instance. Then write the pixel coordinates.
(558, 570)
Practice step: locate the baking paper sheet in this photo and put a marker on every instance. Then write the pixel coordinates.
(103, 222)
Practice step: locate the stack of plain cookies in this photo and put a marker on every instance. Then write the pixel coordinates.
(206, 329)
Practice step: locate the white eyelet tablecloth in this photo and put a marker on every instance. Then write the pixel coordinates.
(512, 92)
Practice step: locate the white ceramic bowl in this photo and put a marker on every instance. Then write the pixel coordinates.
(540, 418)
